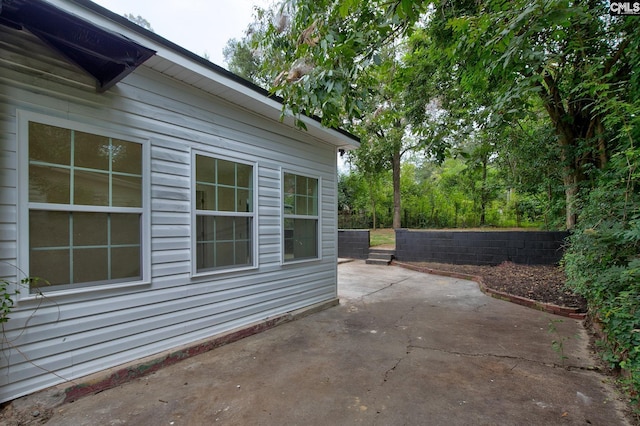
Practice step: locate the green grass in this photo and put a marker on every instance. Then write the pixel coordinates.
(387, 236)
(382, 237)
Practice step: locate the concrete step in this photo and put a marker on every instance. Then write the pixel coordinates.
(391, 252)
(380, 256)
(384, 262)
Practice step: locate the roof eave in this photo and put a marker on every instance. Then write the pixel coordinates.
(104, 54)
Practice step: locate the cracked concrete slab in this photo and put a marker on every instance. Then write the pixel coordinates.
(402, 348)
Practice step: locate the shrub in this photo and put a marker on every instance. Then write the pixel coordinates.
(603, 261)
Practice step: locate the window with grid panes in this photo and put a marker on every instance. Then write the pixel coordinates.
(85, 207)
(224, 214)
(300, 217)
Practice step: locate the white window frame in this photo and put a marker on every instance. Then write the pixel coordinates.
(24, 205)
(284, 216)
(195, 213)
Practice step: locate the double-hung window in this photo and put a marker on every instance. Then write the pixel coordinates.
(224, 214)
(301, 219)
(85, 206)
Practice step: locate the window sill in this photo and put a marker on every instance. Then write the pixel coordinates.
(299, 261)
(81, 290)
(215, 272)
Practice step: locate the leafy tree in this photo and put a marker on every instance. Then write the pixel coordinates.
(478, 155)
(244, 58)
(353, 200)
(570, 55)
(383, 130)
(366, 201)
(450, 181)
(528, 162)
(603, 261)
(320, 54)
(293, 55)
(369, 163)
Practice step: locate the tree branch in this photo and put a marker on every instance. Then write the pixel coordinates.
(612, 61)
(409, 148)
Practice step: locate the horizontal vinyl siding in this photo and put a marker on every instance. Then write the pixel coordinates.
(72, 335)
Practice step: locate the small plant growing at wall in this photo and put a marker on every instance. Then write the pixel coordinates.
(9, 291)
(558, 342)
(6, 304)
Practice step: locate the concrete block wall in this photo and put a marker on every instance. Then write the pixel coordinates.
(353, 243)
(480, 248)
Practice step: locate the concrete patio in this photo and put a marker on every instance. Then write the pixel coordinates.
(402, 348)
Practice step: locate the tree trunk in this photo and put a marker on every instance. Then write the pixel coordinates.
(396, 190)
(567, 141)
(571, 193)
(548, 207)
(602, 144)
(373, 203)
(456, 206)
(483, 193)
(570, 177)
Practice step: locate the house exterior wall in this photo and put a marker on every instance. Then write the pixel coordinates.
(69, 334)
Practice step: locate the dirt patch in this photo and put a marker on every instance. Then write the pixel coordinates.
(541, 283)
(12, 416)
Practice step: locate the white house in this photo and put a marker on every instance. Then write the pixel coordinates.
(159, 199)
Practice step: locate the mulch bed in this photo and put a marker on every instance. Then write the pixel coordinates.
(540, 283)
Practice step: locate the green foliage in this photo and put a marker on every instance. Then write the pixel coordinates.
(7, 294)
(338, 61)
(244, 58)
(316, 57)
(242, 61)
(435, 196)
(365, 201)
(527, 160)
(558, 342)
(494, 62)
(603, 261)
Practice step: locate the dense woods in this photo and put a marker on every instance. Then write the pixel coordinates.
(478, 113)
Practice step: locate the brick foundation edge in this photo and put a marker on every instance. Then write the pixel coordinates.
(545, 307)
